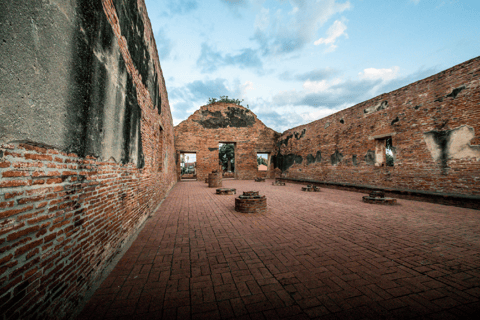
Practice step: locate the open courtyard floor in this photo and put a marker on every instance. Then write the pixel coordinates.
(324, 255)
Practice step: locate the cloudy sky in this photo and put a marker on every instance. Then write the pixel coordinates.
(296, 61)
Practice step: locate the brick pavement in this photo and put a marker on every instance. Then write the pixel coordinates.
(312, 255)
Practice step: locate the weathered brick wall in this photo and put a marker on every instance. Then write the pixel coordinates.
(70, 201)
(434, 124)
(202, 132)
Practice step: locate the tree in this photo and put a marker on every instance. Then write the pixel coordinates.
(227, 155)
(182, 164)
(261, 160)
(226, 100)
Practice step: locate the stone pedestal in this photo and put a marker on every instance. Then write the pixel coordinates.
(214, 180)
(378, 197)
(311, 188)
(226, 191)
(251, 202)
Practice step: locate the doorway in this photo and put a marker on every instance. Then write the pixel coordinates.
(226, 155)
(188, 166)
(263, 160)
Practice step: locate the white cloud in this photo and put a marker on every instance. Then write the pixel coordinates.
(247, 85)
(336, 30)
(379, 74)
(316, 86)
(286, 32)
(310, 114)
(320, 86)
(262, 20)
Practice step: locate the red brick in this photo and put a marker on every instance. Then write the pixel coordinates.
(7, 204)
(6, 259)
(13, 183)
(4, 164)
(21, 233)
(12, 195)
(32, 199)
(32, 148)
(40, 157)
(9, 213)
(56, 180)
(10, 174)
(28, 165)
(38, 181)
(69, 173)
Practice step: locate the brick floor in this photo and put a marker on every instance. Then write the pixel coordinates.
(312, 255)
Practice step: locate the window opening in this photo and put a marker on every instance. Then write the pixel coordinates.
(390, 158)
(384, 152)
(159, 151)
(262, 161)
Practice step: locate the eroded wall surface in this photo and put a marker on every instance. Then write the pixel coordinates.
(218, 123)
(434, 125)
(87, 146)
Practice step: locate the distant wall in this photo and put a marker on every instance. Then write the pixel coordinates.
(434, 125)
(87, 146)
(212, 124)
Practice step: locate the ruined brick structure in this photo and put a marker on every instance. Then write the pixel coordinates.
(434, 125)
(218, 123)
(87, 147)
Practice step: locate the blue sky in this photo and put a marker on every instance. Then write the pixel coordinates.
(294, 61)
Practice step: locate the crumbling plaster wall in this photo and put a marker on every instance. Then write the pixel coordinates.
(212, 124)
(86, 146)
(434, 124)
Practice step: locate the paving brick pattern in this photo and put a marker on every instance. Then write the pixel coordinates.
(311, 255)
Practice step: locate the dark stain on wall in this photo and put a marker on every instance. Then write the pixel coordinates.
(452, 94)
(370, 157)
(86, 120)
(284, 162)
(132, 28)
(284, 141)
(455, 92)
(301, 135)
(234, 117)
(312, 159)
(86, 69)
(336, 158)
(132, 150)
(394, 121)
(441, 138)
(212, 149)
(354, 160)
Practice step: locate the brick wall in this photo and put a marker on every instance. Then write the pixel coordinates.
(434, 125)
(64, 216)
(212, 124)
